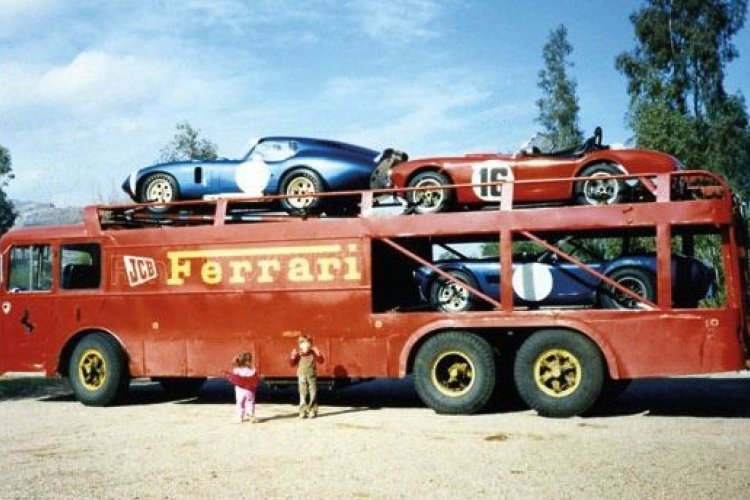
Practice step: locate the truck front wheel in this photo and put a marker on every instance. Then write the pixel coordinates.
(98, 370)
(455, 373)
(559, 373)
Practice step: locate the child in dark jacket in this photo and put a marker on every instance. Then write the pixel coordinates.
(306, 358)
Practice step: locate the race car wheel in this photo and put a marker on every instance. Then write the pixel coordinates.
(158, 188)
(181, 386)
(448, 296)
(634, 279)
(296, 184)
(98, 370)
(601, 190)
(430, 200)
(455, 372)
(559, 373)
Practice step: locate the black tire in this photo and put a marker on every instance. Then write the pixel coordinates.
(181, 386)
(559, 373)
(455, 373)
(158, 188)
(450, 297)
(595, 192)
(632, 278)
(98, 370)
(430, 201)
(301, 182)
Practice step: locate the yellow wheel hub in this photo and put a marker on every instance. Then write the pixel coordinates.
(558, 373)
(92, 370)
(453, 373)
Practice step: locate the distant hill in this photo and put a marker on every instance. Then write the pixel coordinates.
(31, 213)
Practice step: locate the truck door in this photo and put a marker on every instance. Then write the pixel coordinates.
(26, 309)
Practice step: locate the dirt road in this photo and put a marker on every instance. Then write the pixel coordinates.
(676, 438)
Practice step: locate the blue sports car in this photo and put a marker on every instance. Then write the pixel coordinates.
(545, 280)
(274, 165)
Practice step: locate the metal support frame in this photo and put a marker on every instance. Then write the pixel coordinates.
(440, 272)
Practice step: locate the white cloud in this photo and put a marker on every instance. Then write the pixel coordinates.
(397, 22)
(96, 78)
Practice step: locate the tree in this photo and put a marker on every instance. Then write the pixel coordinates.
(187, 145)
(558, 107)
(7, 211)
(676, 85)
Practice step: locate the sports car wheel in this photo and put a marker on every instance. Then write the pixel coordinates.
(448, 296)
(635, 280)
(602, 190)
(430, 200)
(158, 188)
(297, 184)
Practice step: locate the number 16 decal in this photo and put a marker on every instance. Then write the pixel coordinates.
(490, 171)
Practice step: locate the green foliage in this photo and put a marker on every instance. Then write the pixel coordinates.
(676, 84)
(491, 249)
(683, 46)
(187, 145)
(7, 211)
(558, 107)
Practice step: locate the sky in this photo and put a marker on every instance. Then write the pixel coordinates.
(92, 90)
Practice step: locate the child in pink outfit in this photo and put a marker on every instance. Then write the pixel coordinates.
(245, 380)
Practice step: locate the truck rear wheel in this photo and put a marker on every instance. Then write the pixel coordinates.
(455, 373)
(559, 373)
(98, 370)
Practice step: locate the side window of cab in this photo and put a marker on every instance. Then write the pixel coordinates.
(30, 268)
(80, 266)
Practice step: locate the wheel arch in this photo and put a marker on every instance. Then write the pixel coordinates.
(63, 358)
(146, 175)
(448, 268)
(599, 162)
(576, 186)
(430, 168)
(299, 168)
(495, 334)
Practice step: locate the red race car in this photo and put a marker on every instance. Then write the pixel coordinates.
(535, 161)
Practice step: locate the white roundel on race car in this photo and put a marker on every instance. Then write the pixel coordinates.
(532, 282)
(490, 171)
(252, 176)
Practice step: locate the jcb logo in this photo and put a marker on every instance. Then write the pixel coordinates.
(139, 269)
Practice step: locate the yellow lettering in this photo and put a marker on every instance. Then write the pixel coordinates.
(299, 270)
(325, 267)
(239, 269)
(266, 266)
(352, 269)
(211, 272)
(178, 269)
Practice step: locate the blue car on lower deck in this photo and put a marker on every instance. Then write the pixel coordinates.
(544, 280)
(273, 166)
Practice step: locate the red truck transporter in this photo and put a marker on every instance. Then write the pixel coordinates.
(175, 294)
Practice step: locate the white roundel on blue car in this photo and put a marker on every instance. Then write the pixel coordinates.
(252, 176)
(490, 171)
(532, 282)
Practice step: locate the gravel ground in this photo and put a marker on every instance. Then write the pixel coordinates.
(667, 438)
